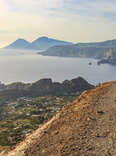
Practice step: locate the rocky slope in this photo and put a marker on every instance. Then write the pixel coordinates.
(85, 127)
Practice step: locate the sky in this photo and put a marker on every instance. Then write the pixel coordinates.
(69, 20)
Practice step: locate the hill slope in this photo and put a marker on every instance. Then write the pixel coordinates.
(85, 127)
(108, 43)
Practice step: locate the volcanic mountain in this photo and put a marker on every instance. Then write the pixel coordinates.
(18, 44)
(40, 43)
(44, 42)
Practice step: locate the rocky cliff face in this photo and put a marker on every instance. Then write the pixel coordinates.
(109, 56)
(75, 51)
(85, 127)
(89, 50)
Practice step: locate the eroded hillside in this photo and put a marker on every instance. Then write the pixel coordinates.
(85, 127)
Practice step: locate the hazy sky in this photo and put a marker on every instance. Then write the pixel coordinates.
(70, 20)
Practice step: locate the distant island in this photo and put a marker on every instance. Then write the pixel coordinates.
(41, 43)
(105, 51)
(96, 50)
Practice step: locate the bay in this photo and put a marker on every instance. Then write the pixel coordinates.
(27, 66)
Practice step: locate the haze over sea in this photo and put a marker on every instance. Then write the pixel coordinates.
(27, 66)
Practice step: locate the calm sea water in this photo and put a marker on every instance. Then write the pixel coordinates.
(27, 66)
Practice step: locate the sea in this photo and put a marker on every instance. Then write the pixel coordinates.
(28, 66)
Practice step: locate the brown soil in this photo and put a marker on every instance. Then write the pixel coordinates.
(85, 127)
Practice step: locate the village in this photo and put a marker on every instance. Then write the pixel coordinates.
(21, 117)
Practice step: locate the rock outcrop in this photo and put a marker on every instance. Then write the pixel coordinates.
(45, 87)
(109, 56)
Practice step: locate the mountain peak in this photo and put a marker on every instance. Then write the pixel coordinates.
(44, 42)
(40, 43)
(43, 37)
(20, 43)
(20, 39)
